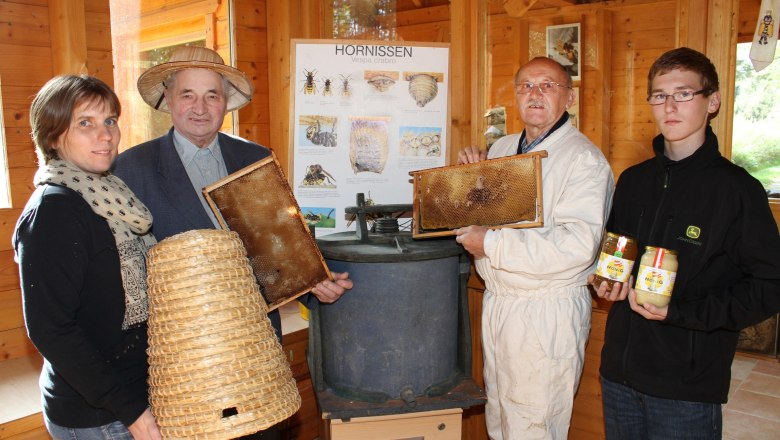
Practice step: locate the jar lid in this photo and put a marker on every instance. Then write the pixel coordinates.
(616, 235)
(653, 249)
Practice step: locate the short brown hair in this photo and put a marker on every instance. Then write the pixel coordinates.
(52, 109)
(684, 58)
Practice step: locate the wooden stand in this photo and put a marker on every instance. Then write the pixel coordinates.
(442, 424)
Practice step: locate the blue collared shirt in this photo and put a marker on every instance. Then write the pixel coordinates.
(204, 166)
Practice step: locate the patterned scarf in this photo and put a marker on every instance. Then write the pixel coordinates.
(128, 219)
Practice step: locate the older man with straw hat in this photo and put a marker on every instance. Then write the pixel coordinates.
(168, 173)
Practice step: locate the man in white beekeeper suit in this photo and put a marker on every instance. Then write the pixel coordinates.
(536, 309)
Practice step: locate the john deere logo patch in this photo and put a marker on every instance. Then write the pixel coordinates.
(693, 232)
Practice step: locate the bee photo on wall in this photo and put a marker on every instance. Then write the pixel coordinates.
(316, 130)
(563, 45)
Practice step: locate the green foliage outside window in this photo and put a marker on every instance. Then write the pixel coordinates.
(756, 135)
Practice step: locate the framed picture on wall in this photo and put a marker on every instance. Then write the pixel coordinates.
(563, 45)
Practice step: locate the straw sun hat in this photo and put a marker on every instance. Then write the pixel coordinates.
(150, 83)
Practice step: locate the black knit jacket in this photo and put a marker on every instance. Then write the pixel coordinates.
(94, 373)
(716, 216)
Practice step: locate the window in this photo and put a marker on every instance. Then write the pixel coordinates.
(157, 123)
(364, 19)
(5, 190)
(144, 33)
(755, 139)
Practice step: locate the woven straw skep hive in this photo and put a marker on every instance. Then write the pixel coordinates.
(216, 367)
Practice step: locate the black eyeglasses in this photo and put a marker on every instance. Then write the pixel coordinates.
(679, 96)
(546, 87)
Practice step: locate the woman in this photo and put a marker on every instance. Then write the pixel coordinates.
(81, 243)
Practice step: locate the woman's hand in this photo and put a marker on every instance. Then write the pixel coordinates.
(145, 428)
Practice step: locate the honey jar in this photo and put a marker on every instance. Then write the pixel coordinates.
(616, 259)
(655, 280)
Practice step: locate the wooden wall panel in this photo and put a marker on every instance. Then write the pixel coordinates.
(25, 25)
(251, 55)
(506, 36)
(14, 343)
(27, 65)
(26, 43)
(748, 18)
(101, 65)
(473, 427)
(433, 14)
(250, 14)
(11, 309)
(636, 43)
(431, 32)
(98, 26)
(587, 416)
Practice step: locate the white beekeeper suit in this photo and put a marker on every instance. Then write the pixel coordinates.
(536, 309)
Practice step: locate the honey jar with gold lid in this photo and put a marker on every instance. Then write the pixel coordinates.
(655, 280)
(616, 259)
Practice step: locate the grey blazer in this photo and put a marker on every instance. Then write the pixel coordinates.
(153, 170)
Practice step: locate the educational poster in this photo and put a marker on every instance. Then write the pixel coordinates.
(364, 114)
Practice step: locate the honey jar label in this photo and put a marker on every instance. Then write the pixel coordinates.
(655, 280)
(614, 268)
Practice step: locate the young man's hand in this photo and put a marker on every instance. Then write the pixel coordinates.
(621, 291)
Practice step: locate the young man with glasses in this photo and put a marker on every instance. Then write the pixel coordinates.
(536, 309)
(665, 371)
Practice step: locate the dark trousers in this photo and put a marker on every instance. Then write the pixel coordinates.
(631, 415)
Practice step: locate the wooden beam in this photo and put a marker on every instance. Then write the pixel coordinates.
(68, 37)
(721, 49)
(692, 24)
(603, 77)
(518, 8)
(313, 22)
(479, 83)
(460, 79)
(279, 80)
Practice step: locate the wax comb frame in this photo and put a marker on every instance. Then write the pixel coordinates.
(257, 203)
(496, 193)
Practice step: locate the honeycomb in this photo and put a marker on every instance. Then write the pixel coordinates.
(491, 193)
(257, 203)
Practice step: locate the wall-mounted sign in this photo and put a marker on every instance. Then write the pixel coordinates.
(364, 114)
